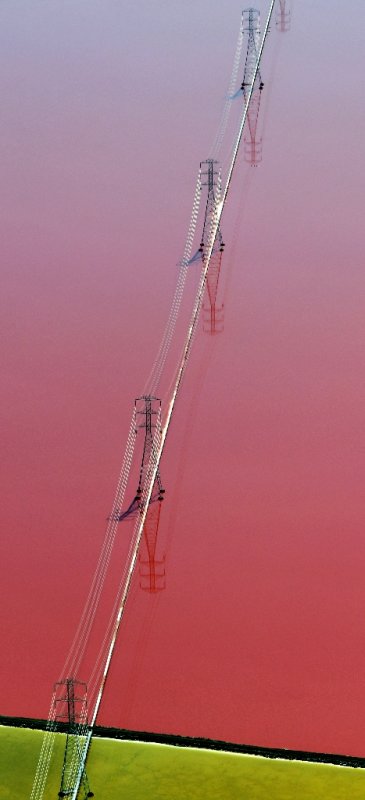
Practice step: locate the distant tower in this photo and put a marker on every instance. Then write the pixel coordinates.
(283, 17)
(213, 316)
(252, 144)
(70, 707)
(149, 408)
(213, 184)
(148, 418)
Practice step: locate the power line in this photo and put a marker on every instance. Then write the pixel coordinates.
(154, 466)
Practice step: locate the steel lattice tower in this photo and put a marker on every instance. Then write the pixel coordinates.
(213, 316)
(212, 183)
(149, 408)
(148, 418)
(71, 710)
(253, 145)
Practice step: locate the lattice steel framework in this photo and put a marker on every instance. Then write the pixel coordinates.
(148, 418)
(71, 710)
(252, 143)
(213, 316)
(149, 408)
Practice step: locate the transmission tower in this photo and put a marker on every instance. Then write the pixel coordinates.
(71, 709)
(213, 184)
(283, 17)
(252, 144)
(149, 408)
(148, 418)
(213, 316)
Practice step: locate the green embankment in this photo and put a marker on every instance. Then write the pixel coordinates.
(123, 770)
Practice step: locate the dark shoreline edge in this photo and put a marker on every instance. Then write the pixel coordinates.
(197, 742)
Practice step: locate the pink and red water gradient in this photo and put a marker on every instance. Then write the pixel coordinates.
(107, 110)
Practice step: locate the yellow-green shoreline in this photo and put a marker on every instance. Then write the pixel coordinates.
(125, 770)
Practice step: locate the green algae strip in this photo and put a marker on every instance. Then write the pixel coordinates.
(128, 770)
